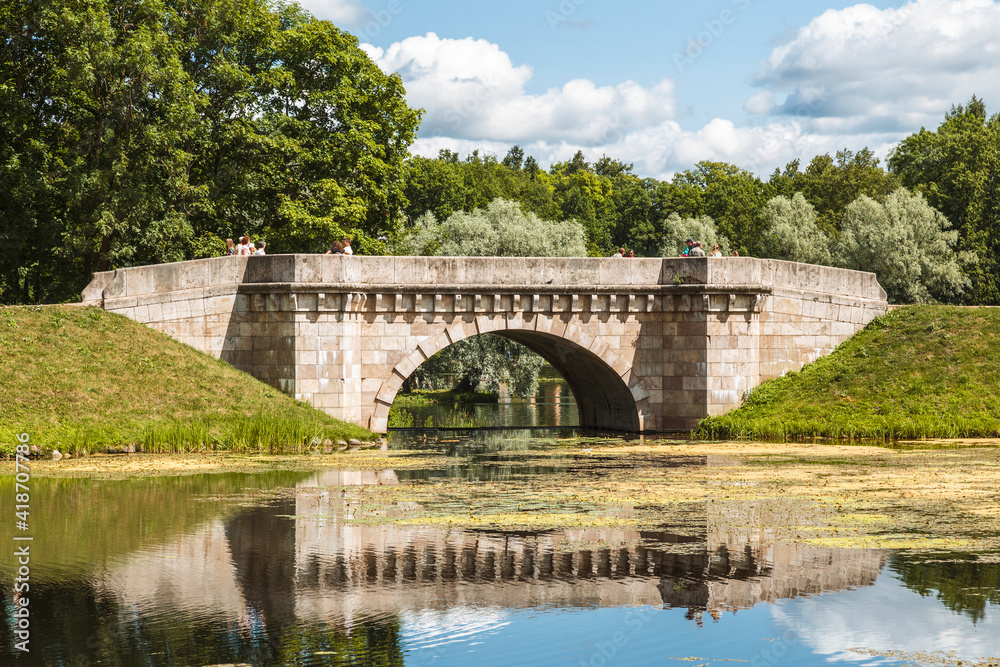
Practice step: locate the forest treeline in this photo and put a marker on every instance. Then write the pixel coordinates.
(150, 130)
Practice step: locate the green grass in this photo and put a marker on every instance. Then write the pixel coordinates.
(80, 379)
(917, 372)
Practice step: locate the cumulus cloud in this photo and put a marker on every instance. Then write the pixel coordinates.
(660, 151)
(476, 98)
(471, 90)
(863, 69)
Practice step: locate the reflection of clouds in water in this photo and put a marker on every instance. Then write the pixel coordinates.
(429, 629)
(887, 617)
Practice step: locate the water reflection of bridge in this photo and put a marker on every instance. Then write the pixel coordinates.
(300, 557)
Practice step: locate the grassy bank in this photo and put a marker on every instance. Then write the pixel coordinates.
(917, 372)
(81, 379)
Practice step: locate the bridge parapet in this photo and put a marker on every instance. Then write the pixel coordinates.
(645, 344)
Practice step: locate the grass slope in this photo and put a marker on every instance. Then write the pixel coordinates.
(83, 379)
(917, 372)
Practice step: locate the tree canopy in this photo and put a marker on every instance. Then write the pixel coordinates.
(957, 169)
(146, 131)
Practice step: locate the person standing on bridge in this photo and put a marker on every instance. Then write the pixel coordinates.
(347, 246)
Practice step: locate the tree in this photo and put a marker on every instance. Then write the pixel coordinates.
(144, 131)
(731, 196)
(514, 158)
(907, 244)
(790, 231)
(957, 169)
(499, 230)
(482, 363)
(830, 184)
(678, 230)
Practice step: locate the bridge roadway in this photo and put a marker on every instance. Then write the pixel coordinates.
(644, 344)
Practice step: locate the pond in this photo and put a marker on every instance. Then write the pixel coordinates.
(525, 547)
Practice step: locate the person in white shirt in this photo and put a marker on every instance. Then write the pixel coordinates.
(347, 247)
(260, 250)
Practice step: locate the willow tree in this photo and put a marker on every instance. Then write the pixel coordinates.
(909, 245)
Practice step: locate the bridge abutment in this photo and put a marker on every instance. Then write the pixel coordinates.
(644, 344)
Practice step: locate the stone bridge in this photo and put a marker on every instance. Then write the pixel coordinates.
(644, 344)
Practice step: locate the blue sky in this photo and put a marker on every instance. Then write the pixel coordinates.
(666, 84)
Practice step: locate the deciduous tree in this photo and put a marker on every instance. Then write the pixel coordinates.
(907, 244)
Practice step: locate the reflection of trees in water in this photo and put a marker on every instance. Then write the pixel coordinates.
(963, 586)
(80, 618)
(75, 625)
(91, 521)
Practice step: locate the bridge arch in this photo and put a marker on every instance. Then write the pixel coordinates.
(608, 394)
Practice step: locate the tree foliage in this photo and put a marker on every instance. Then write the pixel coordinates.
(831, 183)
(790, 231)
(957, 169)
(502, 229)
(130, 129)
(677, 230)
(908, 244)
(482, 363)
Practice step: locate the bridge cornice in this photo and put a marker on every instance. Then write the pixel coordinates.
(472, 288)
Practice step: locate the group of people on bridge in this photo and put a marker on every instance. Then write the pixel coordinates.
(693, 249)
(245, 247)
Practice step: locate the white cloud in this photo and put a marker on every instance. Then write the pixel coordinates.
(339, 12)
(471, 90)
(864, 69)
(660, 151)
(858, 77)
(870, 618)
(760, 104)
